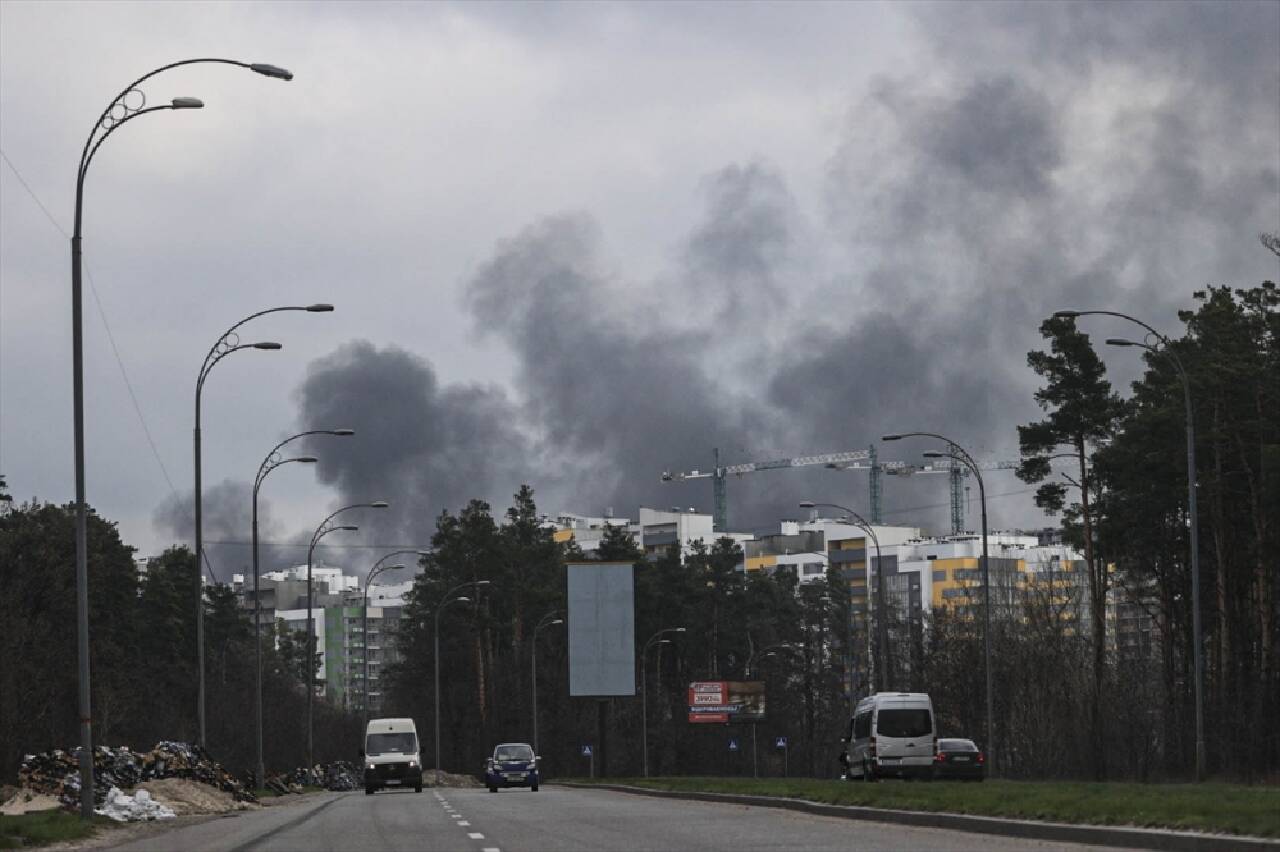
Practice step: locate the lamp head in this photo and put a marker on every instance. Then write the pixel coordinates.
(679, 630)
(347, 527)
(186, 103)
(808, 504)
(482, 583)
(379, 504)
(266, 344)
(319, 308)
(463, 598)
(1119, 341)
(1065, 314)
(342, 432)
(890, 437)
(271, 71)
(394, 568)
(934, 454)
(306, 459)
(557, 621)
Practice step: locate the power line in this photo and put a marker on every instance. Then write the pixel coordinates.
(102, 315)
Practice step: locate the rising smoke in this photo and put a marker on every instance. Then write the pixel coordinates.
(1130, 159)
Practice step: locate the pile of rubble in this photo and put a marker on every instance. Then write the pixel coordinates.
(339, 775)
(57, 772)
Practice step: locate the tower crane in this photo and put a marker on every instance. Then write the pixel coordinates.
(849, 460)
(719, 474)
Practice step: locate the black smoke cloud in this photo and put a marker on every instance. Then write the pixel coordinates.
(420, 446)
(227, 522)
(1048, 156)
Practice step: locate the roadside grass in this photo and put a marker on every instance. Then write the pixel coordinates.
(44, 827)
(1211, 807)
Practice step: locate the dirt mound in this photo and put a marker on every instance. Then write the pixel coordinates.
(448, 779)
(192, 797)
(25, 802)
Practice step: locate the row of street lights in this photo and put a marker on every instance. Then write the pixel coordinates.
(129, 104)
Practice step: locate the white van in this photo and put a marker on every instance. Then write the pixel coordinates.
(391, 756)
(891, 734)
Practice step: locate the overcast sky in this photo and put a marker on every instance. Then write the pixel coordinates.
(577, 245)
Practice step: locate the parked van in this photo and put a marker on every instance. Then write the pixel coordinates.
(891, 734)
(391, 756)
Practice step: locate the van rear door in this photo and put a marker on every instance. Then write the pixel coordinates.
(905, 733)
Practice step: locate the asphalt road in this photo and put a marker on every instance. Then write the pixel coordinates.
(552, 820)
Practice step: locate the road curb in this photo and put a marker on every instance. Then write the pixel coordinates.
(1098, 835)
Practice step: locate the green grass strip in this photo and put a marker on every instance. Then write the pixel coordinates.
(44, 827)
(1211, 807)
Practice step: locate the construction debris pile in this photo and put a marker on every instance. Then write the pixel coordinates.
(339, 775)
(57, 772)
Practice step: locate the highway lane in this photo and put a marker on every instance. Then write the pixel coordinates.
(552, 820)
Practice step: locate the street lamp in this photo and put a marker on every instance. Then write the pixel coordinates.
(377, 569)
(960, 455)
(752, 657)
(879, 667)
(445, 601)
(128, 105)
(546, 621)
(272, 461)
(229, 342)
(644, 693)
(1164, 348)
(321, 531)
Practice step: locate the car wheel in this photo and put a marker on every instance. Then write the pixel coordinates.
(417, 788)
(868, 773)
(493, 789)
(534, 788)
(368, 791)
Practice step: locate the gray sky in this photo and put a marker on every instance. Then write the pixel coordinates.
(576, 245)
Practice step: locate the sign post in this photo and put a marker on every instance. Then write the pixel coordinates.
(587, 753)
(755, 769)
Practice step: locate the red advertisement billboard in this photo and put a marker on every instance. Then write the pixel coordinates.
(712, 701)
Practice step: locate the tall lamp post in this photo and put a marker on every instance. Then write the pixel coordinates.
(229, 342)
(751, 658)
(321, 531)
(879, 668)
(644, 693)
(272, 461)
(546, 621)
(959, 455)
(1163, 347)
(128, 105)
(378, 568)
(444, 602)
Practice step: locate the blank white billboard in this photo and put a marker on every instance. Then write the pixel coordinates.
(602, 629)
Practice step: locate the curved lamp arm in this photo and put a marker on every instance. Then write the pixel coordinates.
(273, 458)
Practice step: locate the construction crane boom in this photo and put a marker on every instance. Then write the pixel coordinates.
(718, 474)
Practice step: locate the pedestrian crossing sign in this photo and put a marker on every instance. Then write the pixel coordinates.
(780, 742)
(733, 744)
(586, 751)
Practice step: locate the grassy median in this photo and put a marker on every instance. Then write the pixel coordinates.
(1228, 808)
(44, 827)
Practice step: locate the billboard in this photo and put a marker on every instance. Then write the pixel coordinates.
(726, 701)
(602, 629)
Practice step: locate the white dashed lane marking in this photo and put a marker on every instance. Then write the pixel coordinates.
(475, 835)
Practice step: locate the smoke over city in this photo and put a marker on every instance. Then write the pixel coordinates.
(961, 209)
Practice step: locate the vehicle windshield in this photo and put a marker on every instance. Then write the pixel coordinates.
(513, 752)
(956, 745)
(904, 723)
(401, 743)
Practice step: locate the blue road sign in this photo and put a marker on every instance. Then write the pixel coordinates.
(780, 742)
(586, 751)
(733, 744)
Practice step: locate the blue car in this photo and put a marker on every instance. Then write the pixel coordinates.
(512, 765)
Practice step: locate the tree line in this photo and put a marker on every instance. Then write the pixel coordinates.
(1071, 701)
